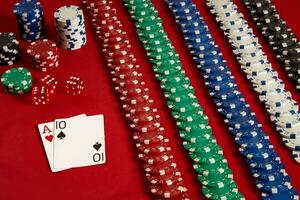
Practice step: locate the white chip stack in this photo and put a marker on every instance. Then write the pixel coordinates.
(70, 27)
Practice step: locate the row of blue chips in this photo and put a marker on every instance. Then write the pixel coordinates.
(264, 162)
(30, 20)
(283, 109)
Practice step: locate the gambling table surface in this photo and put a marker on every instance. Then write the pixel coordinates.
(24, 169)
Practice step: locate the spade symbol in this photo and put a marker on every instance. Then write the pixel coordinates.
(97, 146)
(61, 135)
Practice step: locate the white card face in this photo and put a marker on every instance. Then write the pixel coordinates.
(79, 142)
(46, 131)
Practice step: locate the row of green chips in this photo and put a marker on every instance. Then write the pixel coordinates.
(209, 162)
(16, 80)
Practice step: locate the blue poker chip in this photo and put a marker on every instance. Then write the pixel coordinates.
(254, 143)
(254, 131)
(276, 186)
(223, 77)
(243, 123)
(226, 95)
(195, 34)
(258, 155)
(217, 69)
(290, 194)
(217, 86)
(196, 49)
(230, 104)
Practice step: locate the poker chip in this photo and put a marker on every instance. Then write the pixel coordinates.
(278, 35)
(70, 27)
(9, 49)
(259, 71)
(190, 119)
(16, 80)
(30, 19)
(153, 146)
(249, 136)
(44, 54)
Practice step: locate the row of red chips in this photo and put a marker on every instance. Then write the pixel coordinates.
(48, 85)
(154, 150)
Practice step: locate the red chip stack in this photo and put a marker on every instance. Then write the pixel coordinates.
(154, 150)
(43, 54)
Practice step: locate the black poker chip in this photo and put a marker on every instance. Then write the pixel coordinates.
(9, 49)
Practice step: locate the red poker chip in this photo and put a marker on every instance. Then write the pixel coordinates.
(112, 47)
(150, 137)
(120, 54)
(167, 180)
(134, 100)
(132, 92)
(155, 148)
(173, 191)
(124, 69)
(146, 127)
(122, 60)
(138, 108)
(42, 49)
(129, 81)
(131, 74)
(165, 168)
(108, 39)
(143, 116)
(157, 159)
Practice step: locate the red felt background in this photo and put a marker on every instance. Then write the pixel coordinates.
(24, 170)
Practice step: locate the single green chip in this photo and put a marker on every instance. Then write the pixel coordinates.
(220, 193)
(199, 136)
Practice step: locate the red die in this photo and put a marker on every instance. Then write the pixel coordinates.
(40, 95)
(50, 82)
(74, 86)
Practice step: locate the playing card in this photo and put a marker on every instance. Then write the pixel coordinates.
(46, 131)
(79, 142)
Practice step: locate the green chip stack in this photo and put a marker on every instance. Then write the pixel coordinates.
(209, 163)
(16, 80)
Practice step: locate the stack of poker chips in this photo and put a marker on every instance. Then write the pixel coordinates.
(164, 178)
(253, 143)
(30, 19)
(70, 27)
(16, 80)
(9, 49)
(271, 89)
(283, 41)
(209, 163)
(43, 54)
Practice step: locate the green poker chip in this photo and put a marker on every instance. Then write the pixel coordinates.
(193, 125)
(199, 136)
(221, 181)
(149, 27)
(16, 80)
(180, 95)
(167, 71)
(174, 80)
(220, 193)
(198, 148)
(191, 115)
(150, 35)
(212, 171)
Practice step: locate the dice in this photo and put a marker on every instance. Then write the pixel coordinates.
(50, 82)
(40, 95)
(74, 86)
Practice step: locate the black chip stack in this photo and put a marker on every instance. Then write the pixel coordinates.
(279, 35)
(9, 49)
